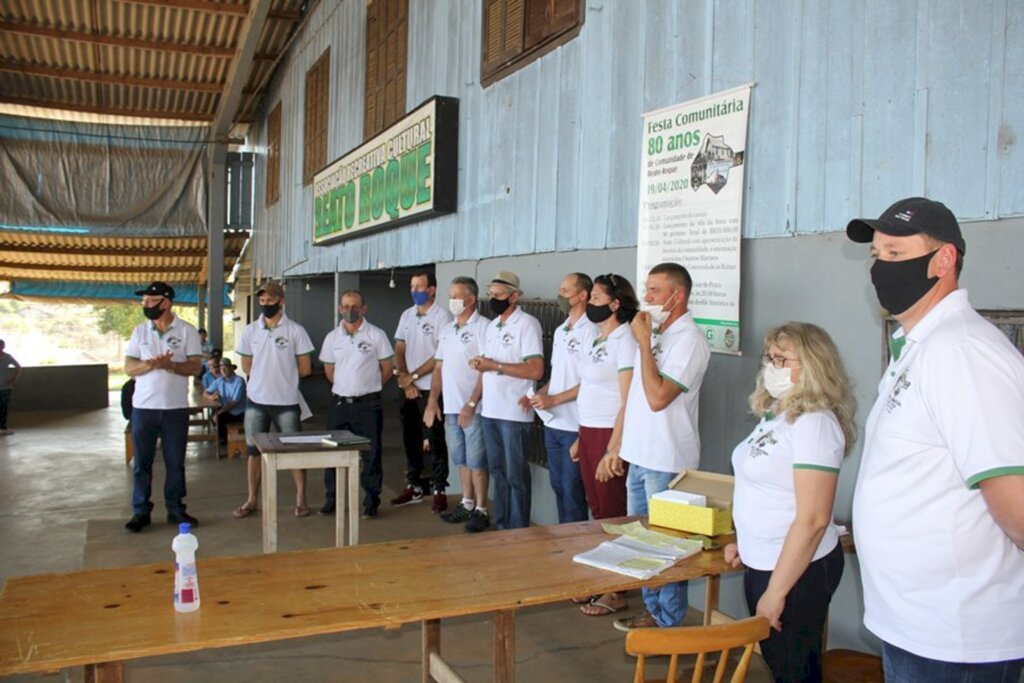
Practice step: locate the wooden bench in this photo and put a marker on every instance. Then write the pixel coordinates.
(100, 618)
(236, 440)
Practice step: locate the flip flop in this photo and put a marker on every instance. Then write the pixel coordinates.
(243, 510)
(585, 600)
(301, 511)
(603, 608)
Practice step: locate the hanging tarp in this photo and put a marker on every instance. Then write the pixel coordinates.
(91, 292)
(106, 179)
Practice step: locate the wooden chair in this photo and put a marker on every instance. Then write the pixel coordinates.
(698, 640)
(236, 440)
(850, 666)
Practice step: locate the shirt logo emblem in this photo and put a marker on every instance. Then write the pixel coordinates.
(600, 355)
(508, 339)
(759, 447)
(656, 351)
(427, 328)
(281, 342)
(902, 384)
(573, 345)
(173, 343)
(466, 336)
(363, 347)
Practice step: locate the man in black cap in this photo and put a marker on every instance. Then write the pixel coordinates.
(162, 354)
(939, 501)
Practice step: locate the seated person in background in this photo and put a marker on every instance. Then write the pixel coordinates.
(228, 391)
(211, 375)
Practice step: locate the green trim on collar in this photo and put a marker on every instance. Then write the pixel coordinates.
(536, 355)
(820, 468)
(973, 482)
(387, 358)
(896, 345)
(629, 369)
(679, 384)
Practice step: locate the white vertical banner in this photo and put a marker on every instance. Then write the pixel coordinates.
(691, 204)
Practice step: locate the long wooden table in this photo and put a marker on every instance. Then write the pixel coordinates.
(100, 618)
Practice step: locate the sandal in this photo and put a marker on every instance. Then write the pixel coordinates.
(602, 606)
(585, 600)
(301, 511)
(243, 510)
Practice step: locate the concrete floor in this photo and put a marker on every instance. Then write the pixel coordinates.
(64, 498)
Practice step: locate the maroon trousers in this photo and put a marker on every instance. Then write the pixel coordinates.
(605, 499)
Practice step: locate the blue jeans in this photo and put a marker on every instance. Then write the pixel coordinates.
(466, 444)
(507, 442)
(259, 418)
(666, 604)
(171, 427)
(565, 477)
(905, 667)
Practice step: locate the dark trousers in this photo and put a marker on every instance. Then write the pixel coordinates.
(5, 402)
(906, 667)
(171, 427)
(365, 419)
(413, 433)
(794, 654)
(223, 420)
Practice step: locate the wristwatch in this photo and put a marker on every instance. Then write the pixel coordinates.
(471, 404)
(415, 376)
(395, 372)
(499, 370)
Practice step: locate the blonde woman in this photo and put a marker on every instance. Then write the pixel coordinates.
(786, 474)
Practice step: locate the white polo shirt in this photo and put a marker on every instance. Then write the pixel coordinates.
(764, 498)
(274, 376)
(941, 578)
(599, 399)
(567, 348)
(160, 389)
(356, 358)
(514, 341)
(668, 440)
(420, 334)
(455, 348)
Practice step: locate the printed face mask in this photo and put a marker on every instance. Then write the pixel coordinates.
(777, 381)
(901, 284)
(456, 306)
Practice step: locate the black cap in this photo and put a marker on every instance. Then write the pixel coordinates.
(157, 289)
(911, 216)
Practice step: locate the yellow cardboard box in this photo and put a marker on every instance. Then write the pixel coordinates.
(713, 520)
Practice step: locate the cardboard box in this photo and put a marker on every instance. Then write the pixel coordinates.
(713, 520)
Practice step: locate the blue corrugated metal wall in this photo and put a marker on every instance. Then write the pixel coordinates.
(857, 103)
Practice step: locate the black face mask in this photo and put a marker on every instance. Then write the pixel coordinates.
(152, 312)
(901, 284)
(499, 306)
(270, 310)
(598, 314)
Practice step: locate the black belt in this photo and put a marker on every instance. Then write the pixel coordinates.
(356, 399)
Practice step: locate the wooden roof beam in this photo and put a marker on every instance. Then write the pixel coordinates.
(116, 41)
(240, 70)
(215, 7)
(7, 266)
(116, 79)
(111, 252)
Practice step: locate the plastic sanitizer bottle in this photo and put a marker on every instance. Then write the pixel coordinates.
(186, 580)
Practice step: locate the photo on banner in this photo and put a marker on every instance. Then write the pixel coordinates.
(691, 204)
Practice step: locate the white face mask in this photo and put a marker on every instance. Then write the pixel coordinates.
(657, 313)
(456, 306)
(777, 381)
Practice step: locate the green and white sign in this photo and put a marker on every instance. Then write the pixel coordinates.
(691, 204)
(407, 173)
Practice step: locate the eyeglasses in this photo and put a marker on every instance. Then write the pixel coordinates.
(778, 361)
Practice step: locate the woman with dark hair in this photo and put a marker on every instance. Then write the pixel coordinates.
(606, 370)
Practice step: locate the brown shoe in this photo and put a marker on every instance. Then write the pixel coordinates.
(641, 620)
(410, 494)
(440, 503)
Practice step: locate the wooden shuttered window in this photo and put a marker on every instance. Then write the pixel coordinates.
(516, 32)
(318, 90)
(274, 155)
(387, 24)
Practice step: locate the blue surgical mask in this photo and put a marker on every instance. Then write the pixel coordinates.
(420, 298)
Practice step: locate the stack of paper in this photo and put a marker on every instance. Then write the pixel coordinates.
(638, 552)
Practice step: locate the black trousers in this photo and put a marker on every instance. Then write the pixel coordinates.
(223, 420)
(794, 654)
(366, 419)
(413, 433)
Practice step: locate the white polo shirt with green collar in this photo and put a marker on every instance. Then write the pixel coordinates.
(274, 376)
(516, 340)
(356, 357)
(160, 389)
(420, 333)
(668, 440)
(941, 578)
(764, 499)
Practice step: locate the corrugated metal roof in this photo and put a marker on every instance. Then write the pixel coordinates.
(56, 256)
(150, 58)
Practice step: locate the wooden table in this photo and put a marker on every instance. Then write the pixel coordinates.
(277, 455)
(99, 619)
